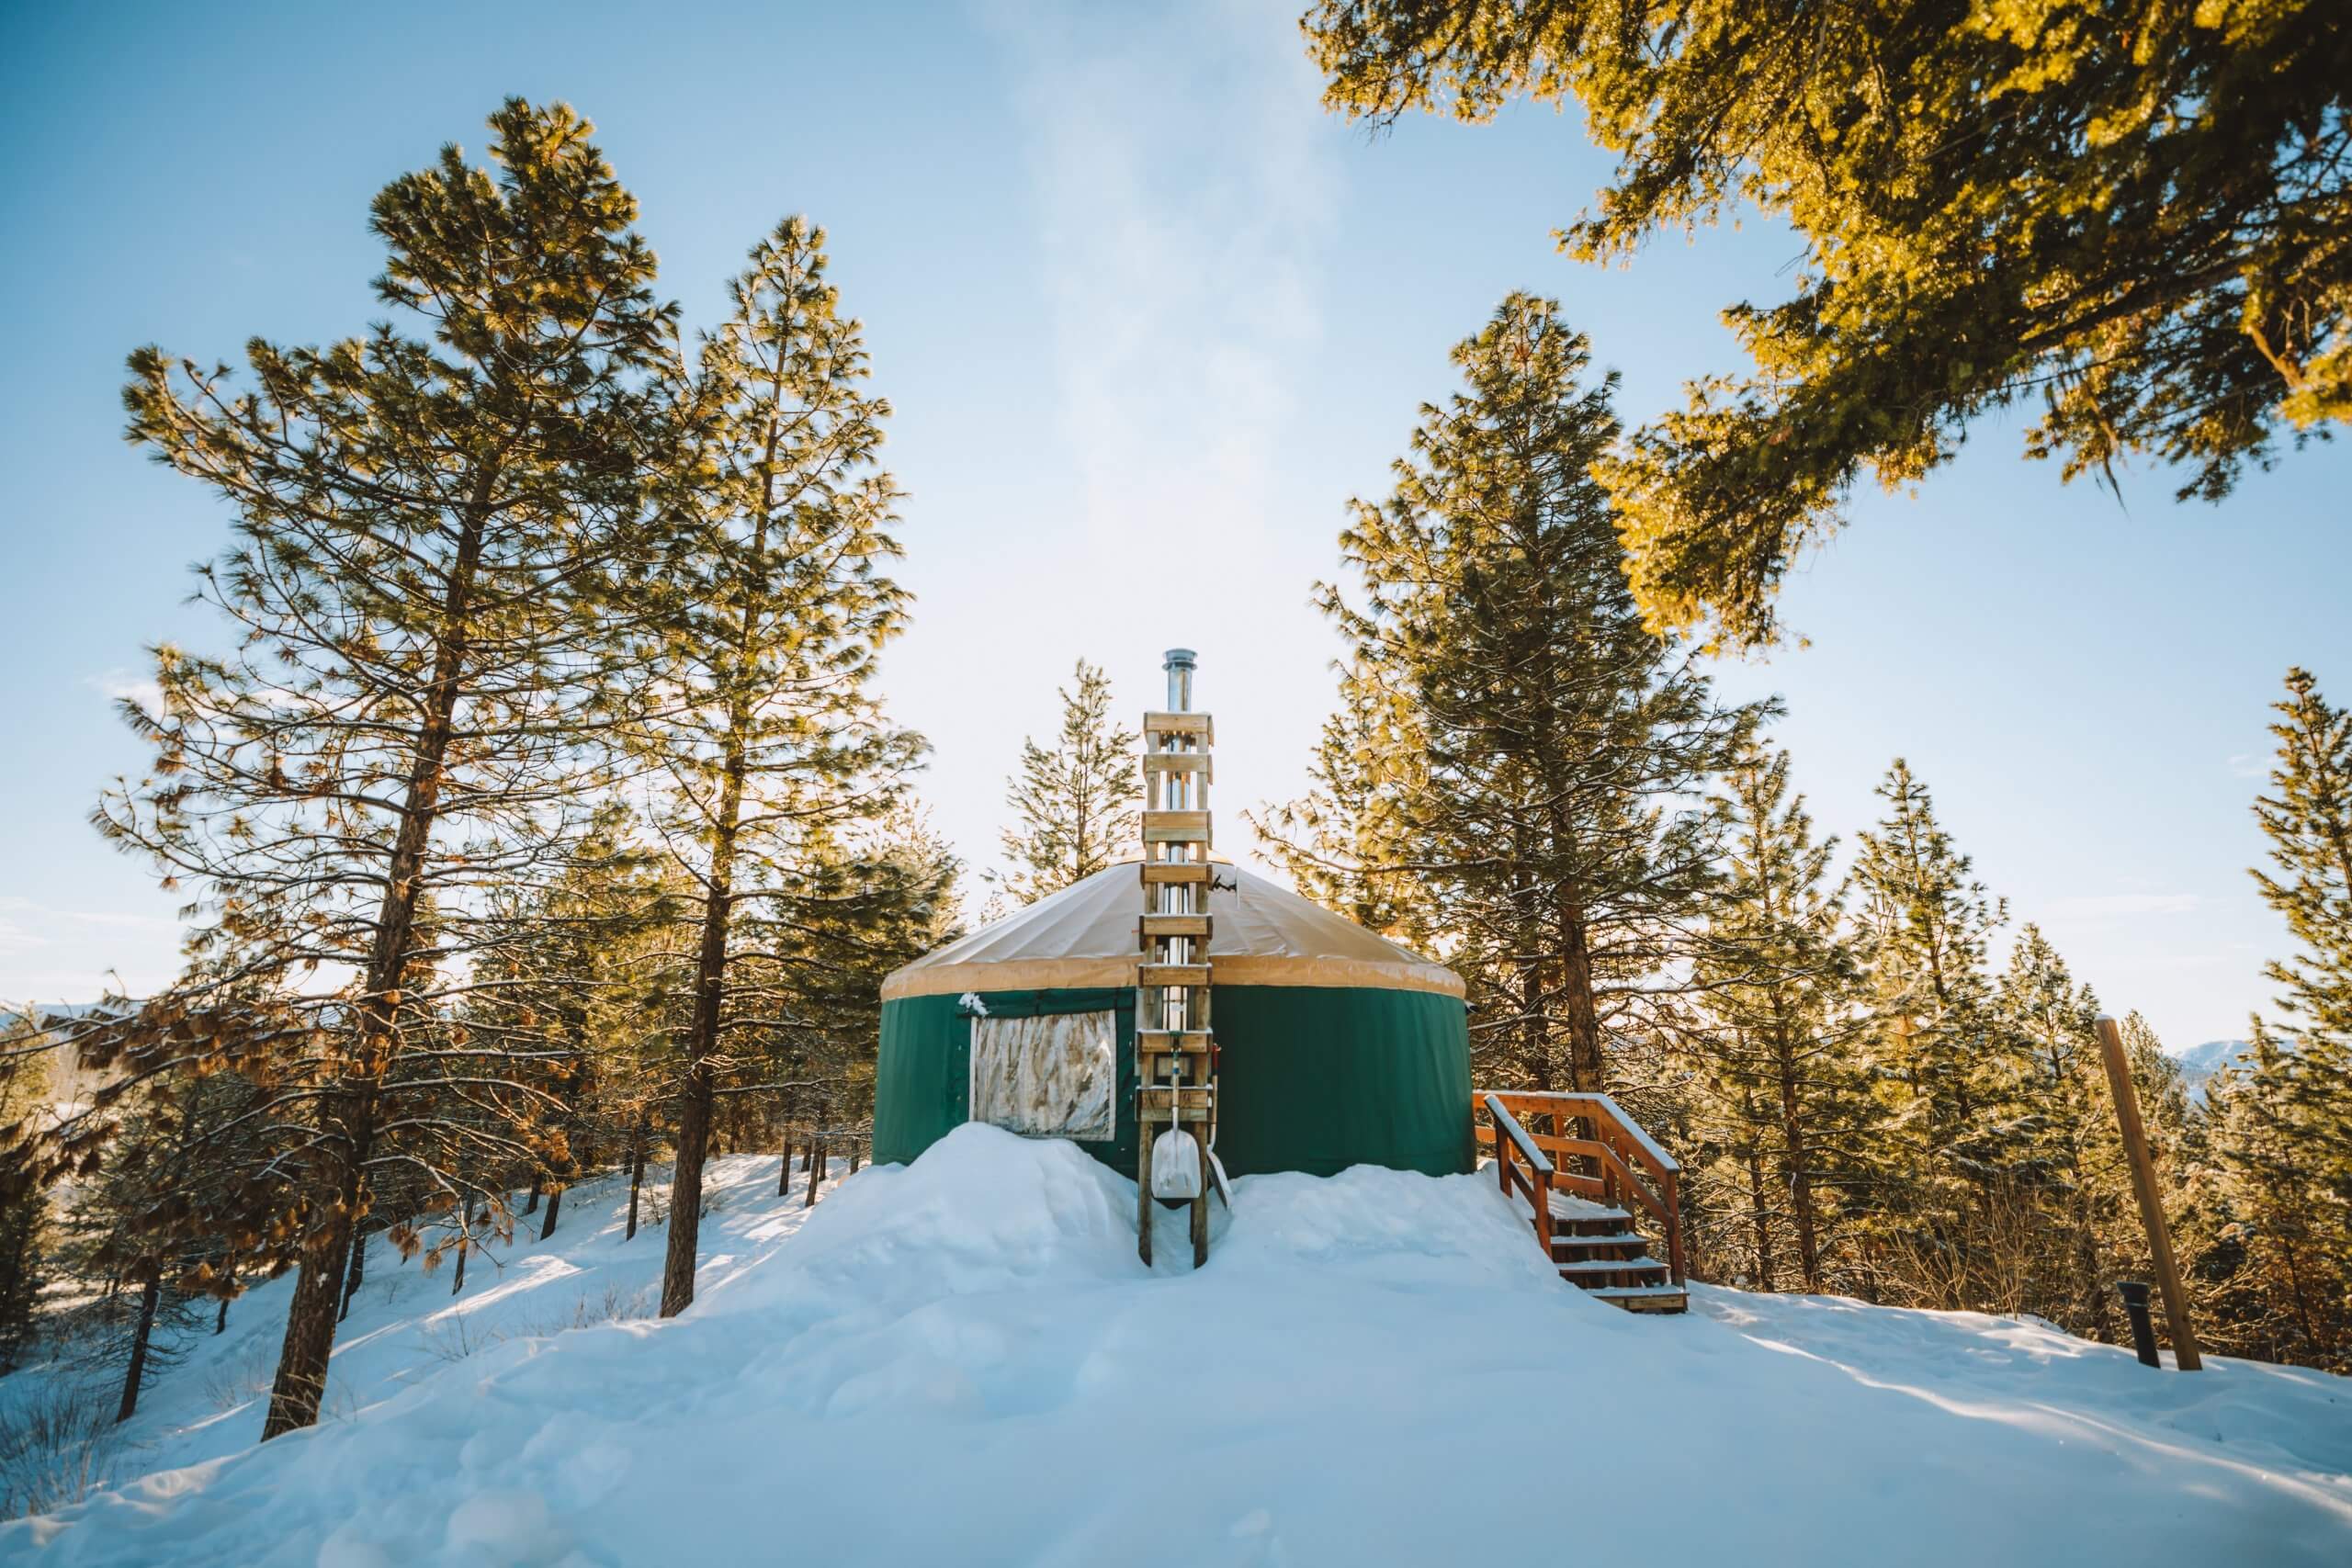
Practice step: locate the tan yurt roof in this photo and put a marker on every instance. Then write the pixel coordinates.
(1085, 936)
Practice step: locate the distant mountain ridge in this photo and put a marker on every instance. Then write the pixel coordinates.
(2199, 1063)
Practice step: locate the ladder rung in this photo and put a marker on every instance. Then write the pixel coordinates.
(1178, 763)
(1172, 1041)
(1198, 723)
(1175, 827)
(1175, 925)
(1186, 975)
(1156, 872)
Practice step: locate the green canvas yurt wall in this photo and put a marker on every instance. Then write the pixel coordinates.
(1336, 1046)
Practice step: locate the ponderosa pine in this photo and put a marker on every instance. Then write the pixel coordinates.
(430, 536)
(1548, 816)
(762, 736)
(2141, 222)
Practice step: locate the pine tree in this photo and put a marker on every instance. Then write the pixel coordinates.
(1074, 808)
(2279, 1155)
(25, 1220)
(433, 538)
(1560, 739)
(1347, 843)
(2309, 823)
(862, 907)
(1775, 1032)
(1947, 1069)
(2282, 1268)
(762, 729)
(2069, 1121)
(570, 977)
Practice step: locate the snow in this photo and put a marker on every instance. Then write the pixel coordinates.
(961, 1361)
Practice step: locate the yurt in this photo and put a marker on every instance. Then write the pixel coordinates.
(1335, 1046)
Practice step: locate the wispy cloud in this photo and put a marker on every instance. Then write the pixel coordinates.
(2249, 765)
(117, 684)
(24, 923)
(1181, 271)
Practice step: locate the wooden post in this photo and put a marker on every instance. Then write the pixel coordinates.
(2143, 1182)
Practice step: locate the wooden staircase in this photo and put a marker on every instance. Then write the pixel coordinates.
(1588, 1175)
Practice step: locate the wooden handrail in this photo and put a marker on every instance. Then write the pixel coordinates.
(1618, 1145)
(1505, 1121)
(1513, 1140)
(1585, 1103)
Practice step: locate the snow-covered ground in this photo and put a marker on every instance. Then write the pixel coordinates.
(961, 1362)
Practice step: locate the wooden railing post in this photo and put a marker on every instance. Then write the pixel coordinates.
(1673, 1194)
(2152, 1204)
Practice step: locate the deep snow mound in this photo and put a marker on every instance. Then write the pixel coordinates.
(959, 1362)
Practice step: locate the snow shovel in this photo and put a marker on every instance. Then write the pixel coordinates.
(1175, 1159)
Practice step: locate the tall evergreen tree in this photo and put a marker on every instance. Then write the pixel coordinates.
(2284, 1265)
(763, 735)
(1946, 1068)
(1074, 808)
(2068, 1119)
(1775, 1038)
(24, 1194)
(2309, 823)
(1347, 842)
(1560, 739)
(429, 532)
(2280, 1150)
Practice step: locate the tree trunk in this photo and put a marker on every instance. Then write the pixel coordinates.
(1759, 1213)
(139, 1337)
(856, 1146)
(817, 1170)
(783, 1172)
(221, 1324)
(1586, 1068)
(555, 1204)
(302, 1380)
(531, 1205)
(636, 1175)
(694, 1109)
(359, 1272)
(1800, 1172)
(465, 1246)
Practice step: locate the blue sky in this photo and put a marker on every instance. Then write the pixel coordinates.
(1128, 286)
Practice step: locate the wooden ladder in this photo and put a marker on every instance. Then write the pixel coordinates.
(1584, 1208)
(1175, 1051)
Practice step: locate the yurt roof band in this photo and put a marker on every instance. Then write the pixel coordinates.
(1084, 936)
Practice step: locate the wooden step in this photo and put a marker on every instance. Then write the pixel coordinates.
(1175, 871)
(1186, 975)
(1199, 723)
(1567, 1206)
(1625, 1241)
(1644, 1298)
(1577, 1266)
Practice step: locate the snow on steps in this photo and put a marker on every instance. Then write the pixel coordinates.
(949, 1362)
(1595, 1249)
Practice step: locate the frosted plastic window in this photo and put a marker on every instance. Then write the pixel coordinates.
(1055, 1077)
